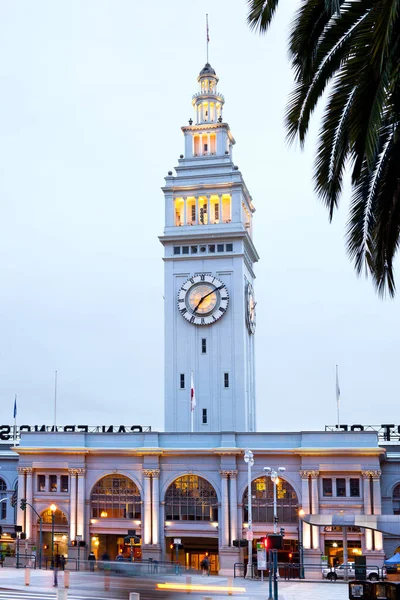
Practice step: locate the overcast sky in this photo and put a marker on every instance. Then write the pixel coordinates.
(94, 93)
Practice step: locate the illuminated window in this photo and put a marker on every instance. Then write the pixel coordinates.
(64, 483)
(179, 211)
(116, 496)
(191, 498)
(327, 487)
(396, 499)
(53, 483)
(226, 208)
(3, 494)
(340, 487)
(41, 483)
(59, 517)
(203, 216)
(262, 492)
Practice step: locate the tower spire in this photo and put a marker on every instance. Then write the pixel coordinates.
(208, 35)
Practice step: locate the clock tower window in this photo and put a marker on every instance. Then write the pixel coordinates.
(204, 346)
(182, 381)
(204, 416)
(226, 380)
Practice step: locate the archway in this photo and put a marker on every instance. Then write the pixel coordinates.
(262, 493)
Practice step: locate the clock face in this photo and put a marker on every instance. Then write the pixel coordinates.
(203, 299)
(250, 308)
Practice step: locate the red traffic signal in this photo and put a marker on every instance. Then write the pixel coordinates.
(265, 542)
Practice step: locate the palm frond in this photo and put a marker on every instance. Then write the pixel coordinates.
(260, 14)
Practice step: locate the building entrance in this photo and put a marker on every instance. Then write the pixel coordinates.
(113, 545)
(194, 560)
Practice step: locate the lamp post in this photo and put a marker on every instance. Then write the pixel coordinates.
(23, 505)
(249, 460)
(301, 551)
(275, 480)
(274, 474)
(53, 509)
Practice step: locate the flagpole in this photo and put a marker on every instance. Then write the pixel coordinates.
(208, 37)
(15, 419)
(337, 396)
(191, 401)
(55, 401)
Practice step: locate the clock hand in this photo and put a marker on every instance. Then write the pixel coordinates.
(209, 294)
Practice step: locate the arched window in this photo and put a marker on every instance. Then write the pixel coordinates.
(191, 498)
(116, 497)
(60, 518)
(262, 504)
(3, 495)
(396, 500)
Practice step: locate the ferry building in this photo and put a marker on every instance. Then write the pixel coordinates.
(190, 482)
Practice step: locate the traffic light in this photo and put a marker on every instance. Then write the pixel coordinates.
(22, 535)
(82, 543)
(1, 530)
(46, 546)
(265, 542)
(23, 504)
(282, 531)
(275, 541)
(73, 543)
(239, 543)
(290, 556)
(171, 546)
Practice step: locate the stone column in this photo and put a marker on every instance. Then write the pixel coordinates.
(146, 527)
(156, 505)
(233, 505)
(220, 208)
(315, 507)
(72, 505)
(367, 506)
(377, 505)
(184, 210)
(80, 505)
(305, 503)
(21, 494)
(224, 509)
(29, 498)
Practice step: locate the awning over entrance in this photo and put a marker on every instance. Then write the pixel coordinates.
(384, 523)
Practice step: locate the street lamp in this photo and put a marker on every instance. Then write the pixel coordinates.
(249, 460)
(53, 509)
(301, 550)
(275, 480)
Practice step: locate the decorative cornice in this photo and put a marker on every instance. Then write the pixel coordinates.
(306, 474)
(375, 474)
(228, 473)
(23, 470)
(151, 472)
(77, 471)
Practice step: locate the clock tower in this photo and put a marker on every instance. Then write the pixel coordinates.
(209, 255)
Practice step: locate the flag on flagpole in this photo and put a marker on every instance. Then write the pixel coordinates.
(192, 393)
(337, 388)
(15, 407)
(208, 31)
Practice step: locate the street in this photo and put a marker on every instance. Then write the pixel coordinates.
(86, 585)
